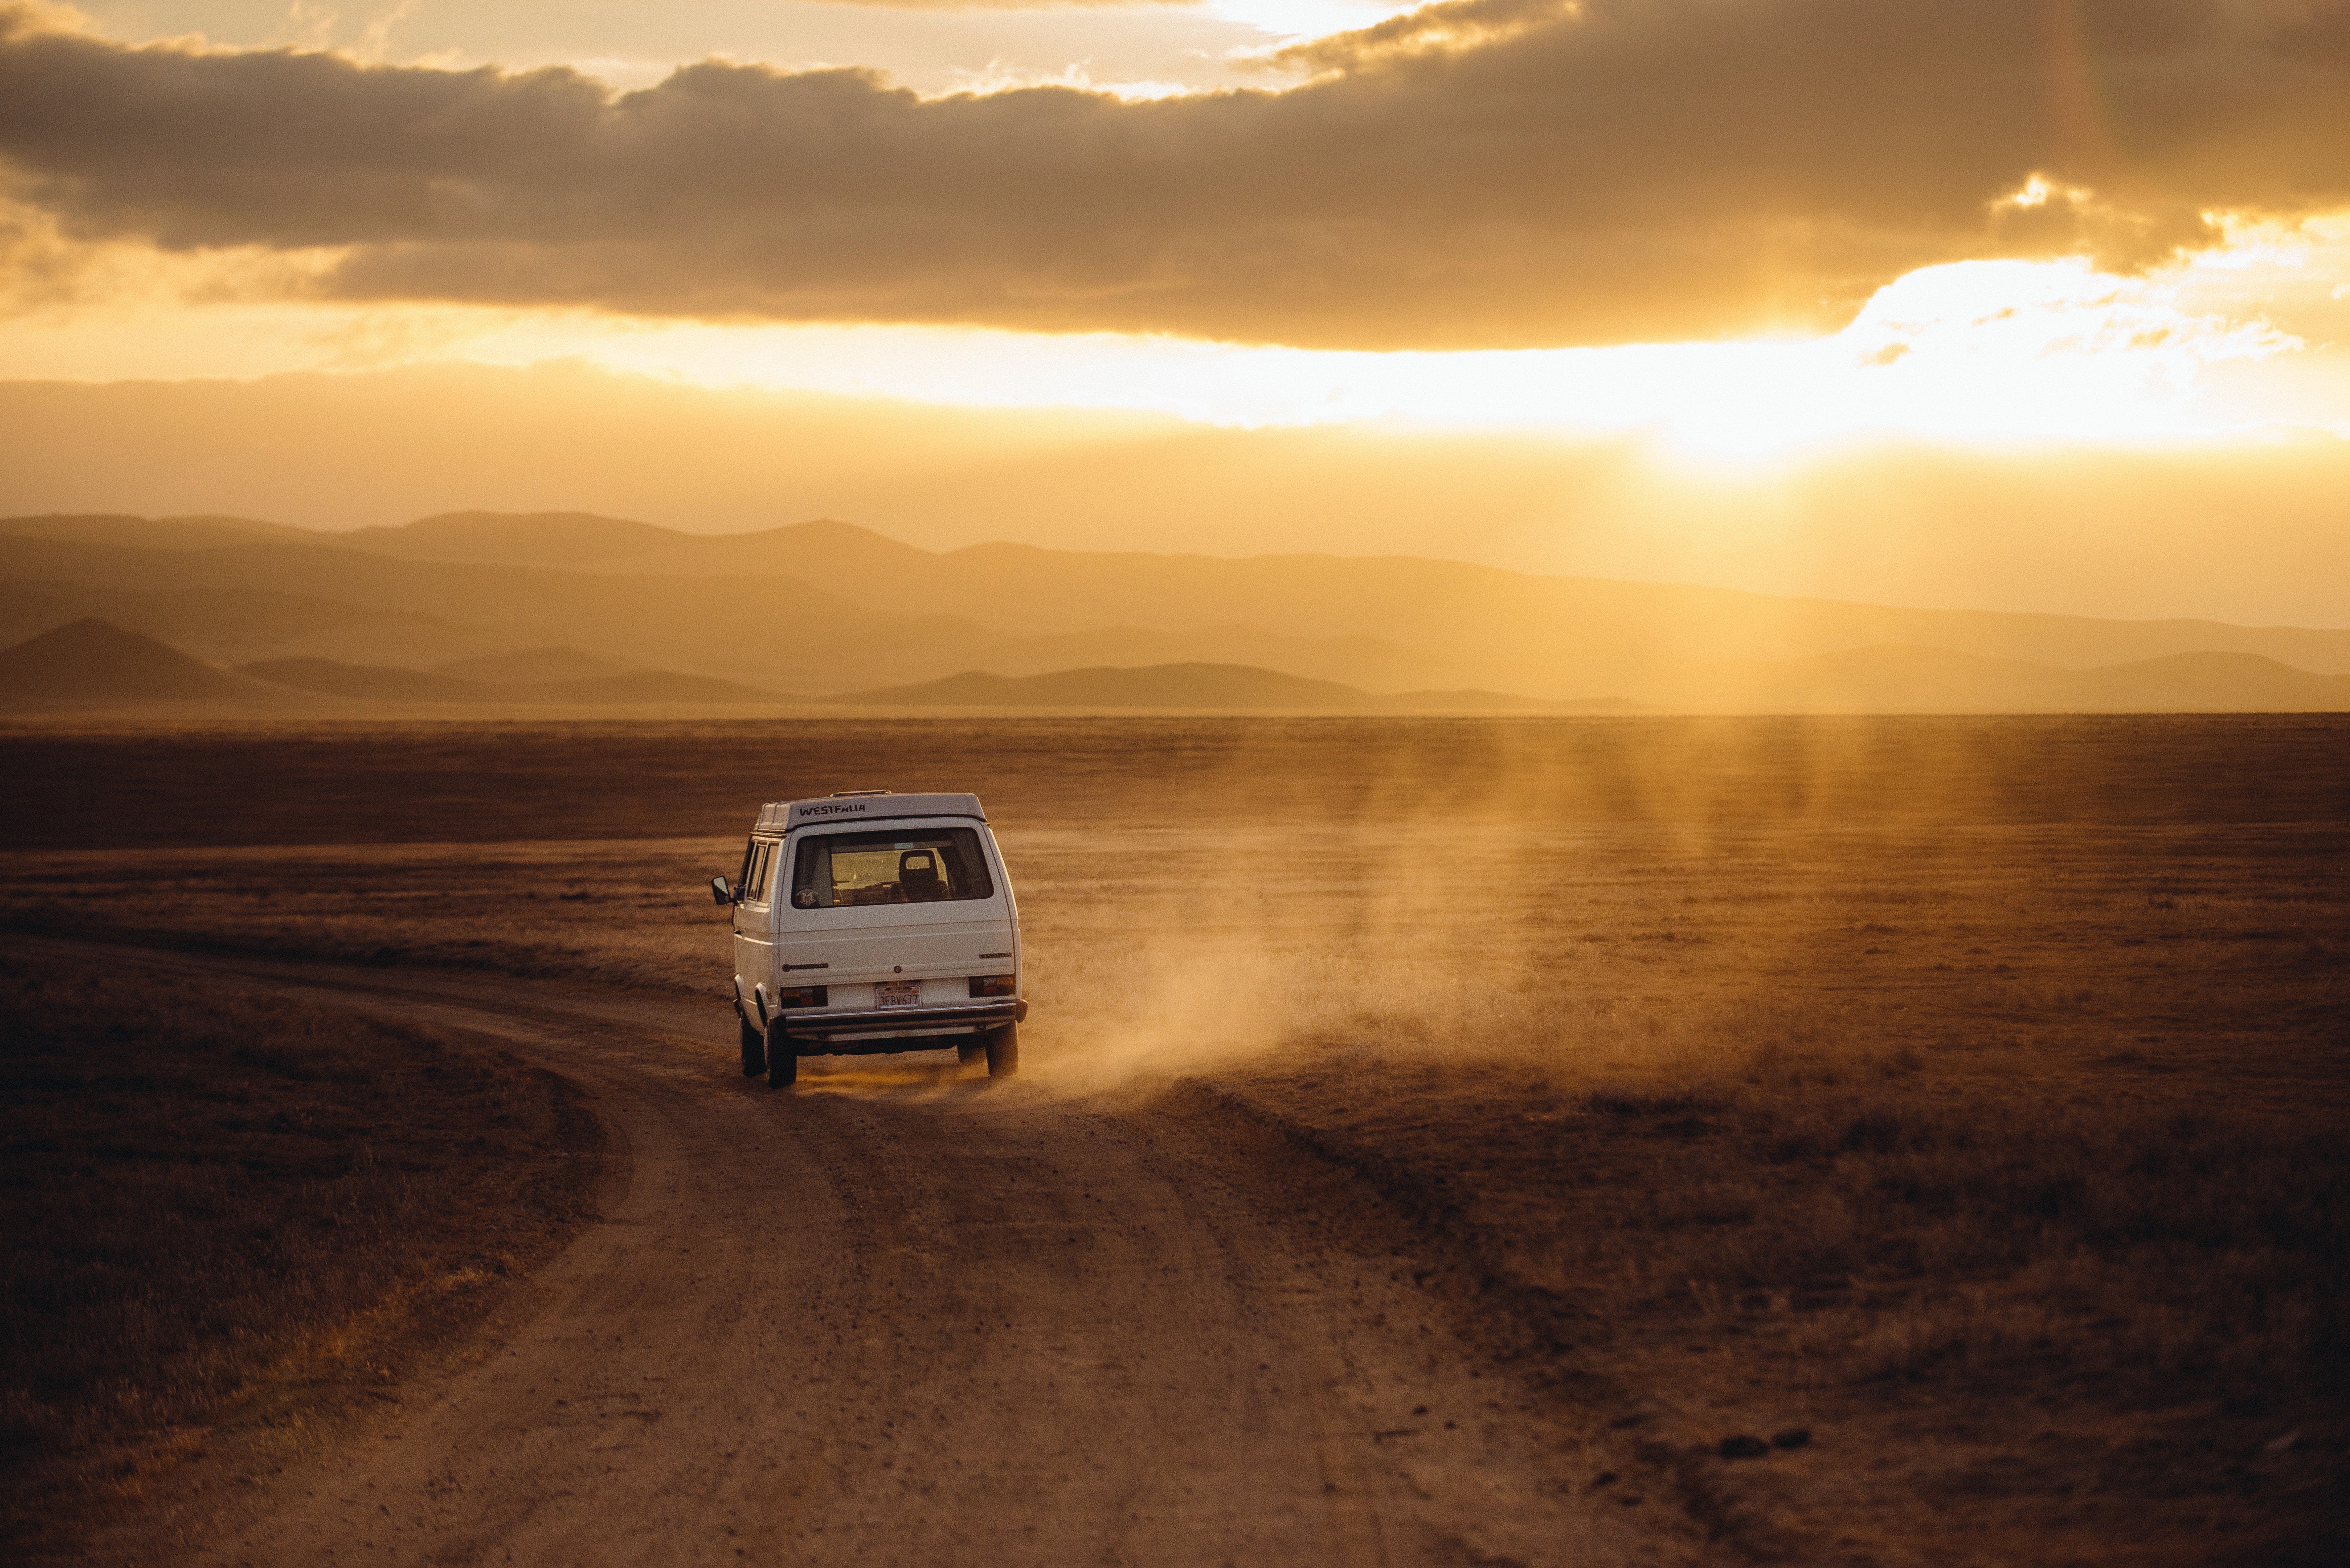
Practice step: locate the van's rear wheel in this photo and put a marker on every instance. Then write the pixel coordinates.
(754, 1050)
(783, 1064)
(1004, 1052)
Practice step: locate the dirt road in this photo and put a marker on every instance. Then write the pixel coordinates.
(906, 1315)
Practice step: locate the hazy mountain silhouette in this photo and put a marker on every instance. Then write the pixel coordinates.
(533, 664)
(1196, 686)
(366, 682)
(89, 662)
(234, 626)
(377, 683)
(2212, 682)
(1159, 686)
(1430, 606)
(827, 606)
(1929, 680)
(650, 686)
(565, 539)
(773, 630)
(192, 533)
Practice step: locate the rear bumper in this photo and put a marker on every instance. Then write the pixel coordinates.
(818, 1025)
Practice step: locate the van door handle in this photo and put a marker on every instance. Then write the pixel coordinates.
(789, 967)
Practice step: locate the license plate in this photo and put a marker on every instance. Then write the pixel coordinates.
(907, 996)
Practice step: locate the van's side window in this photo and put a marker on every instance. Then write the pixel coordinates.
(758, 864)
(917, 866)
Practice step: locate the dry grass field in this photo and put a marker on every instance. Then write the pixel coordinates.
(1971, 1095)
(245, 1215)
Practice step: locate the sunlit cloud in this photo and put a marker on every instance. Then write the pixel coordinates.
(625, 72)
(1285, 21)
(998, 76)
(1483, 174)
(309, 25)
(375, 34)
(48, 275)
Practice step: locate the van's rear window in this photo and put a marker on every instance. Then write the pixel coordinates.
(915, 866)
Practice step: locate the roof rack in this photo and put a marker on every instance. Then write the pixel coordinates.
(846, 794)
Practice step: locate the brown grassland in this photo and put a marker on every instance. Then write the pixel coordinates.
(254, 1208)
(1967, 1094)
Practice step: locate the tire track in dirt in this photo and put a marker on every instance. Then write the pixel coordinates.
(902, 1316)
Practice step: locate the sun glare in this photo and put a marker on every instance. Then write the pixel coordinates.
(1977, 351)
(1293, 20)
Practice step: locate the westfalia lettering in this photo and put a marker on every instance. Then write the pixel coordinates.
(828, 810)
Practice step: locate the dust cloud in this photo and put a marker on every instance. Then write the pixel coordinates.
(1612, 900)
(1165, 952)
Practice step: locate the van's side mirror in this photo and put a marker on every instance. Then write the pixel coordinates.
(718, 892)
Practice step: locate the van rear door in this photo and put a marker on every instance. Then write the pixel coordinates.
(897, 902)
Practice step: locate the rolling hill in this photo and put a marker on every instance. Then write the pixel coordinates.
(1215, 686)
(619, 688)
(236, 625)
(531, 664)
(2209, 683)
(1930, 681)
(826, 608)
(88, 663)
(1430, 606)
(568, 539)
(366, 682)
(775, 632)
(1158, 686)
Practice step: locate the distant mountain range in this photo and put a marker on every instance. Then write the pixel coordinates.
(387, 683)
(1864, 680)
(456, 608)
(1219, 686)
(1893, 679)
(89, 663)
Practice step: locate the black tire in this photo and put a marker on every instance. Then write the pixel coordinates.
(1004, 1052)
(972, 1050)
(754, 1050)
(783, 1066)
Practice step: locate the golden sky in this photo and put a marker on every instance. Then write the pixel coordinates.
(1751, 238)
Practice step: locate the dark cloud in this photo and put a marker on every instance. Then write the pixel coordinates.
(1498, 172)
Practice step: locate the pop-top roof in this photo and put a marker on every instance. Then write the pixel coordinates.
(780, 816)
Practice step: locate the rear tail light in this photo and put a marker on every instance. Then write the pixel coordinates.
(803, 996)
(995, 985)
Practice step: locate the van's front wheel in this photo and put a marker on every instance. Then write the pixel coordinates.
(783, 1066)
(1004, 1052)
(754, 1050)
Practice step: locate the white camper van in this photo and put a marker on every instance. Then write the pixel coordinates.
(873, 923)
